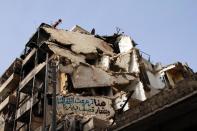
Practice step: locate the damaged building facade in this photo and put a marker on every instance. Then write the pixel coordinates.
(76, 80)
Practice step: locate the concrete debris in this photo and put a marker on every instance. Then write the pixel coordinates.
(73, 57)
(77, 41)
(104, 63)
(125, 43)
(76, 80)
(79, 29)
(97, 77)
(95, 124)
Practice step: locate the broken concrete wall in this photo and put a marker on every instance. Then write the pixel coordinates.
(156, 80)
(139, 92)
(125, 44)
(120, 100)
(128, 61)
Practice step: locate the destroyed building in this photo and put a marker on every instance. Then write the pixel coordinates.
(67, 80)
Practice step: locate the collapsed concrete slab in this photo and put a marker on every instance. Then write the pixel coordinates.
(96, 77)
(77, 41)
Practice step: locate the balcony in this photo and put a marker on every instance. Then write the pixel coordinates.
(23, 111)
(29, 56)
(15, 67)
(9, 86)
(26, 84)
(9, 100)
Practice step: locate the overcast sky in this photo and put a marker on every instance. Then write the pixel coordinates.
(165, 29)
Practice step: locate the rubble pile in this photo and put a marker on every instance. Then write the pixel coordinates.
(77, 80)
